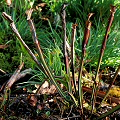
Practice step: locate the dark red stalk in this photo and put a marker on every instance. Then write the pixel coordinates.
(63, 15)
(112, 10)
(85, 41)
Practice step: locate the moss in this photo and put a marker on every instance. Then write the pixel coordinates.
(115, 92)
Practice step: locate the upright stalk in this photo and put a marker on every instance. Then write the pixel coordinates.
(85, 41)
(63, 15)
(112, 11)
(66, 60)
(73, 54)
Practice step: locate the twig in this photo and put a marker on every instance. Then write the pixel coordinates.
(9, 85)
(74, 117)
(13, 77)
(19, 76)
(101, 94)
(3, 46)
(2, 71)
(23, 73)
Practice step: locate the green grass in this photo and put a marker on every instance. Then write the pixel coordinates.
(52, 34)
(11, 55)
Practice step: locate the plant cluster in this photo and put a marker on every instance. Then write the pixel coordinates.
(65, 53)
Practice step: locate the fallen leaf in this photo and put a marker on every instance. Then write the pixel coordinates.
(47, 89)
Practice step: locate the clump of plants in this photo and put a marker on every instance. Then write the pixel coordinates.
(72, 94)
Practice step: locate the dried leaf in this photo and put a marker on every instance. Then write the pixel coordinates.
(3, 46)
(41, 5)
(29, 13)
(45, 89)
(33, 100)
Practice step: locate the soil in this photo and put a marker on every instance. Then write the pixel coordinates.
(48, 105)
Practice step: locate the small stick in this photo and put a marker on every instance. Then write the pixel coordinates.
(13, 77)
(9, 85)
(102, 95)
(2, 71)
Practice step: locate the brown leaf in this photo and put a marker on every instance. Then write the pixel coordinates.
(32, 100)
(46, 89)
(41, 4)
(29, 13)
(3, 46)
